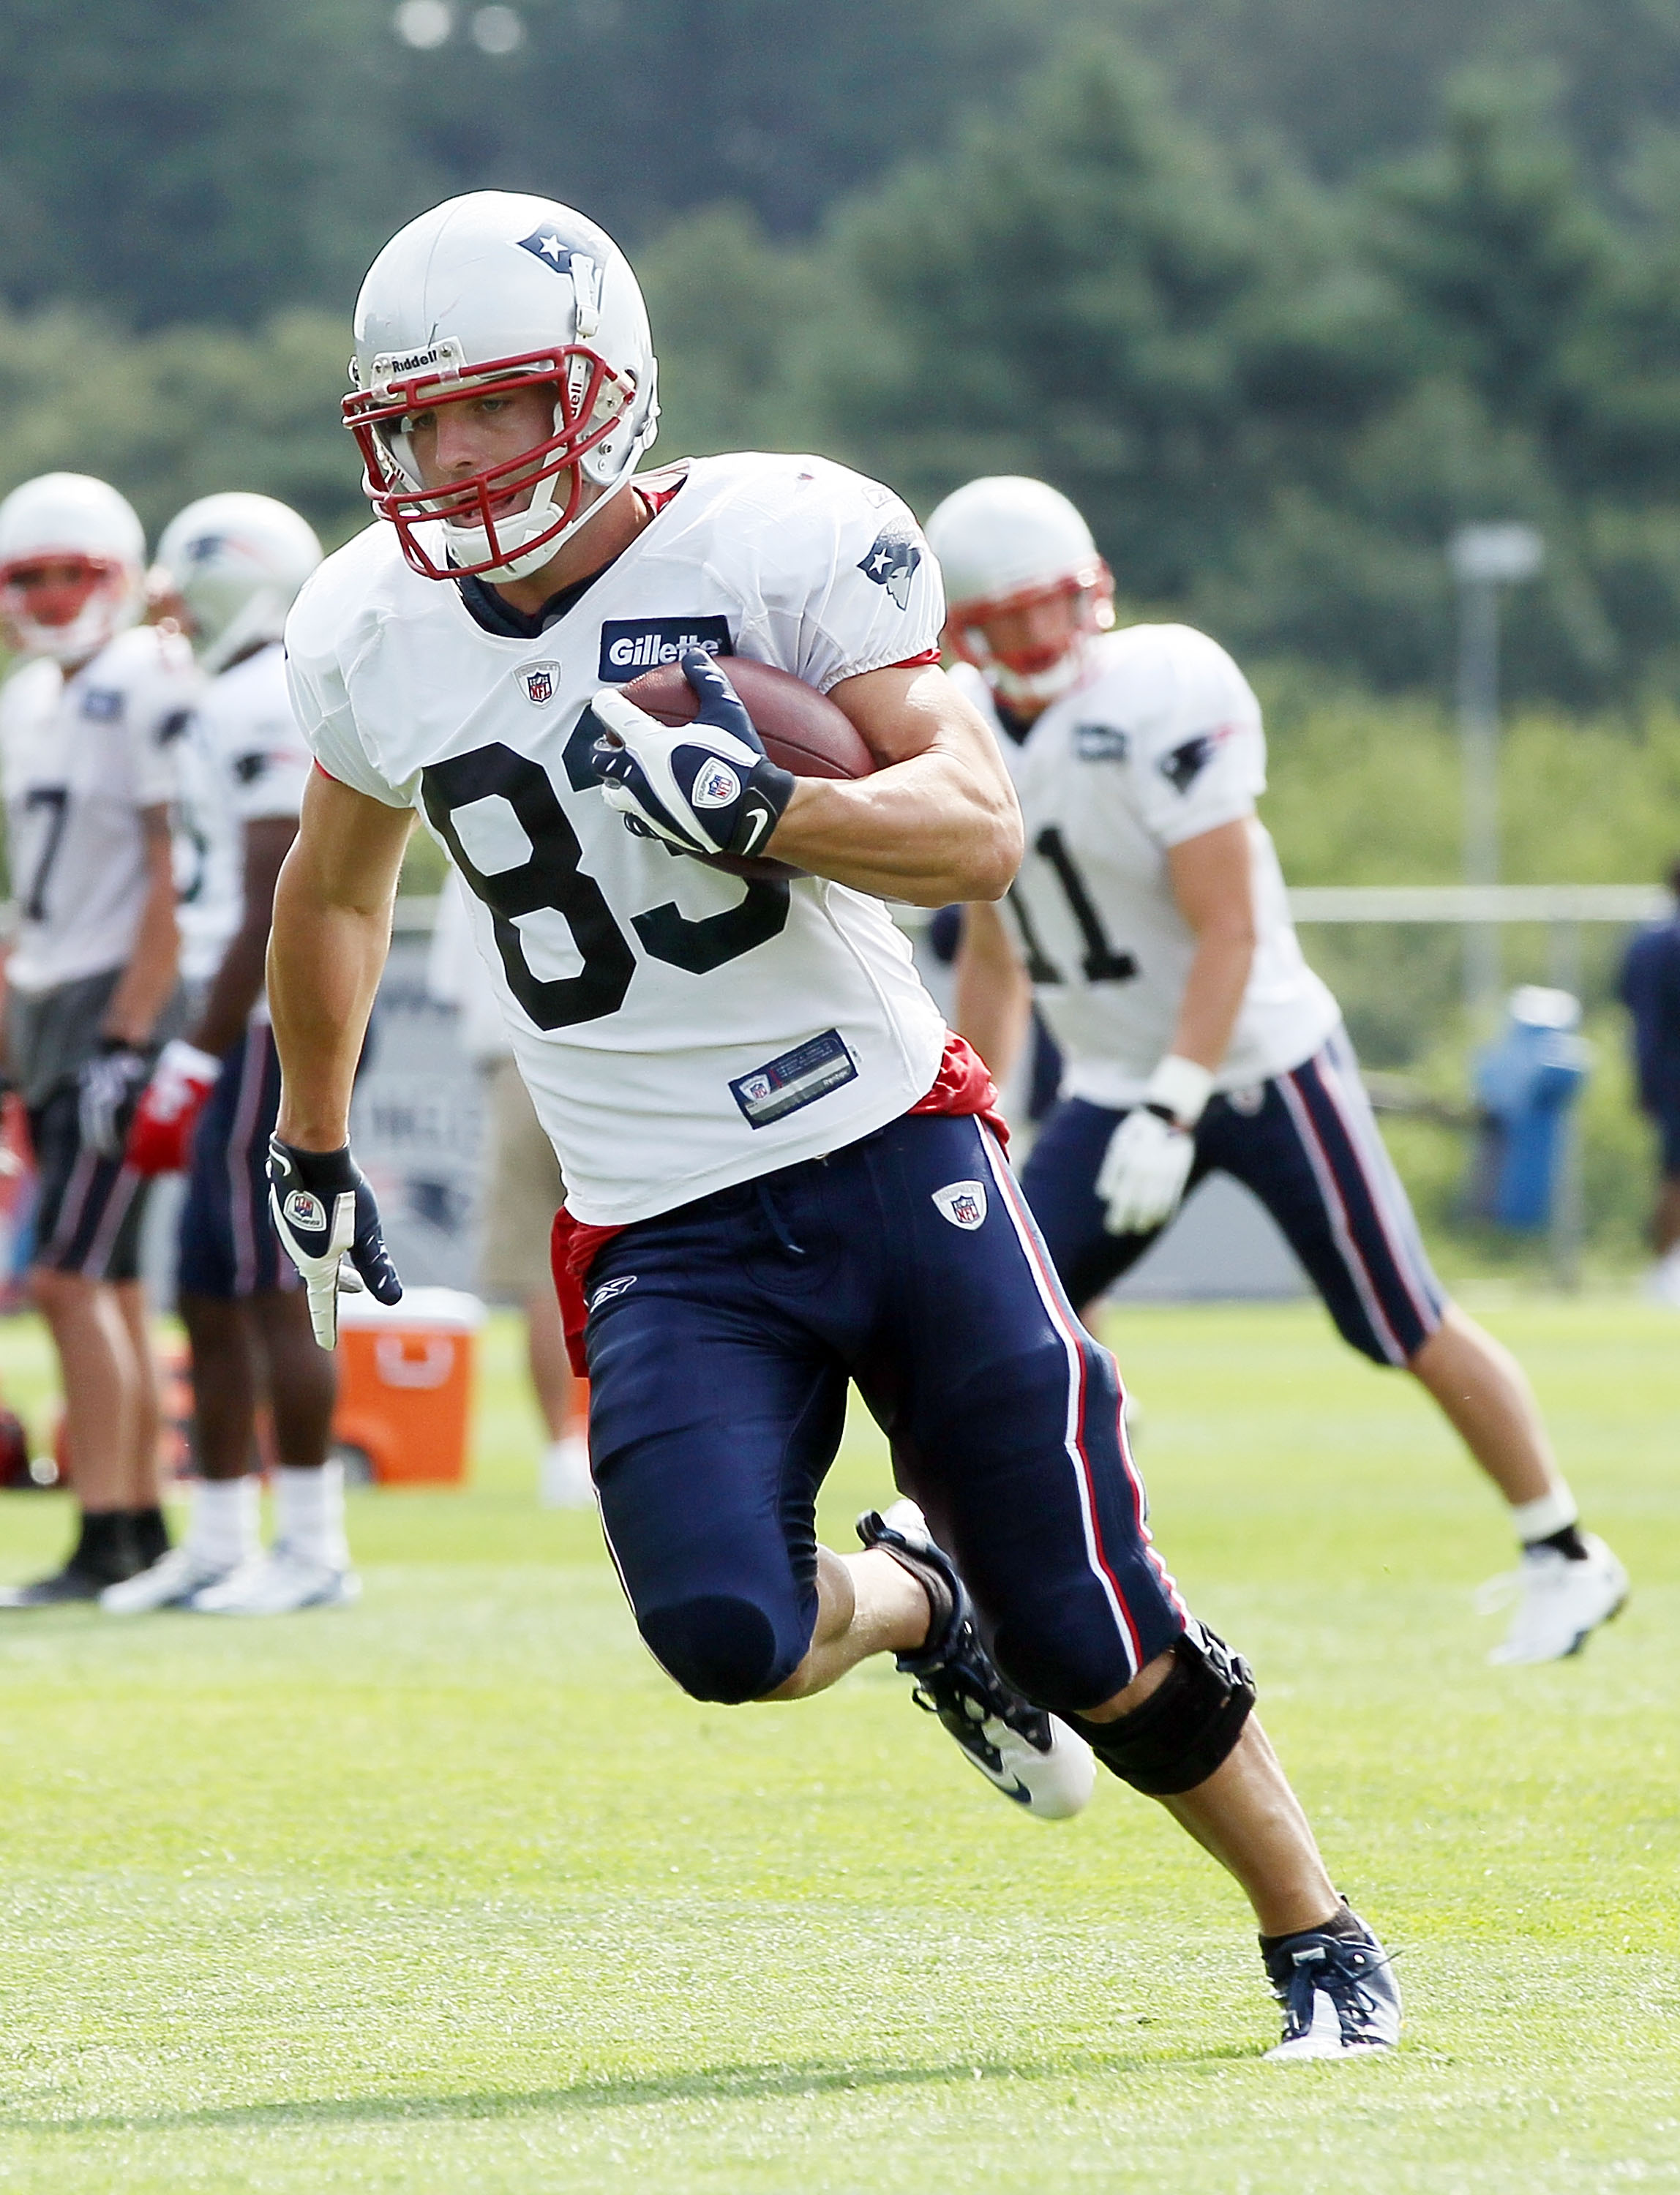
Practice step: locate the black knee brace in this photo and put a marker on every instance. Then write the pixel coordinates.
(1186, 1726)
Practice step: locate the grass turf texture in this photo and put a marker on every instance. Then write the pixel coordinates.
(452, 1891)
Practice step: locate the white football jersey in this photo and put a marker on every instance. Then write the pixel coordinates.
(245, 759)
(1159, 741)
(678, 1029)
(79, 758)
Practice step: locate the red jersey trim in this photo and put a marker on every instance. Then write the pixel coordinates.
(962, 1087)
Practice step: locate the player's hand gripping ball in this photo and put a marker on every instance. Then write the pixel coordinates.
(160, 1140)
(1143, 1172)
(326, 1216)
(705, 787)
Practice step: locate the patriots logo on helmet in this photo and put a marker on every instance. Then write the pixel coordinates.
(544, 245)
(891, 562)
(205, 547)
(539, 683)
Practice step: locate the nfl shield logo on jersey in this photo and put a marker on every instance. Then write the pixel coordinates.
(963, 1203)
(538, 682)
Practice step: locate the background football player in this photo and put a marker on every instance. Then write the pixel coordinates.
(228, 568)
(778, 1169)
(520, 1191)
(1149, 922)
(89, 726)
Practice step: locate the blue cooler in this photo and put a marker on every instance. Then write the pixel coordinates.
(1527, 1085)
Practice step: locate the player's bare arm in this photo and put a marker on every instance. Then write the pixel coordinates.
(149, 977)
(938, 820)
(331, 932)
(1211, 885)
(994, 992)
(238, 982)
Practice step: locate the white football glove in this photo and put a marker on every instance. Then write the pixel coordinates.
(108, 1089)
(1144, 1170)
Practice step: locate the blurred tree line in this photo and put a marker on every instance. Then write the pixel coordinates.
(1281, 290)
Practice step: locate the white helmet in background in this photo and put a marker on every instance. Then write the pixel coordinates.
(72, 520)
(234, 562)
(484, 295)
(1006, 543)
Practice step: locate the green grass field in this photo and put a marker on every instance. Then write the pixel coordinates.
(451, 1891)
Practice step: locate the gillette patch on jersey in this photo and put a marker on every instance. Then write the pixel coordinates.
(799, 1078)
(630, 646)
(1101, 743)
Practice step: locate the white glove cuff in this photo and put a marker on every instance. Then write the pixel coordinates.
(1183, 1086)
(187, 1059)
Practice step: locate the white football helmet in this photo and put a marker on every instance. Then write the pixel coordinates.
(1003, 543)
(234, 562)
(73, 520)
(484, 294)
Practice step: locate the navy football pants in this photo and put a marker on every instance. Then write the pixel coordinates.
(1307, 1144)
(721, 1338)
(228, 1247)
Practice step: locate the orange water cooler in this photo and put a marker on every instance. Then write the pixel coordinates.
(405, 1386)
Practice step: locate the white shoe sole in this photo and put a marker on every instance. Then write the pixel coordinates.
(1323, 2039)
(345, 1587)
(140, 1595)
(1057, 1784)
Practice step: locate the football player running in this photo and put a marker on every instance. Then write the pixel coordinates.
(780, 1169)
(1149, 924)
(89, 726)
(228, 569)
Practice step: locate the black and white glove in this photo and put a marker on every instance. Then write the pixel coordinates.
(324, 1213)
(707, 788)
(108, 1089)
(1144, 1171)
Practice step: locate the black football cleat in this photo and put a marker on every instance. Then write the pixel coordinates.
(1338, 1993)
(72, 1583)
(1030, 1757)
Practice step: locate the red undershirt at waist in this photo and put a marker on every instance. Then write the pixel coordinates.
(962, 1087)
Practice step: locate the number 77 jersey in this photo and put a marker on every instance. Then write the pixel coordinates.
(1159, 742)
(680, 1030)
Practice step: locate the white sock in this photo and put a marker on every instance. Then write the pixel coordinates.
(562, 1476)
(309, 1513)
(1538, 1520)
(223, 1532)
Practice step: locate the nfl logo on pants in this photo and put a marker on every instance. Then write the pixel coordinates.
(963, 1203)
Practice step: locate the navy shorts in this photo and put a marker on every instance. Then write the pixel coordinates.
(1307, 1144)
(228, 1247)
(1668, 1133)
(721, 1338)
(89, 1209)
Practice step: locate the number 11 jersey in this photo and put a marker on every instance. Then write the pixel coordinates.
(680, 1030)
(1159, 741)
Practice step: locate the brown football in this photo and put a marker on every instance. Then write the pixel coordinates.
(803, 731)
